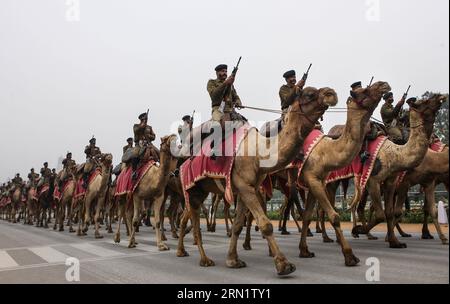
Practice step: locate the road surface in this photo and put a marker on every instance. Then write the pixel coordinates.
(37, 255)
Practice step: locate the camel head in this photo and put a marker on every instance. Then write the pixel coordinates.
(106, 159)
(369, 98)
(314, 101)
(169, 144)
(429, 106)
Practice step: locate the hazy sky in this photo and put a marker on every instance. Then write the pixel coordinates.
(62, 81)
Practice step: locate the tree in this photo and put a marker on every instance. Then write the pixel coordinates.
(441, 124)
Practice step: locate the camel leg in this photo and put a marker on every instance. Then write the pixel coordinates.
(319, 220)
(232, 258)
(430, 208)
(226, 212)
(248, 227)
(205, 214)
(121, 211)
(307, 215)
(98, 217)
(181, 251)
(318, 189)
(173, 206)
(388, 193)
(286, 214)
(283, 207)
(134, 220)
(254, 202)
(374, 191)
(216, 206)
(402, 193)
(157, 206)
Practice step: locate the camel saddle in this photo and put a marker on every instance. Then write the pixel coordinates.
(338, 130)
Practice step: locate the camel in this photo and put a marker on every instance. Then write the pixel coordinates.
(248, 173)
(150, 188)
(331, 154)
(16, 201)
(398, 158)
(435, 165)
(94, 198)
(64, 205)
(31, 205)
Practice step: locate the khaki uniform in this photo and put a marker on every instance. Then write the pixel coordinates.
(125, 148)
(143, 138)
(221, 92)
(390, 115)
(32, 178)
(91, 153)
(288, 94)
(68, 163)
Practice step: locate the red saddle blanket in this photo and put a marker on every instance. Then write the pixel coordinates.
(43, 189)
(436, 146)
(201, 166)
(33, 193)
(79, 189)
(125, 184)
(57, 195)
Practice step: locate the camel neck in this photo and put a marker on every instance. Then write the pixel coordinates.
(415, 149)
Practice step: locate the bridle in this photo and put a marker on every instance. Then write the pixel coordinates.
(322, 109)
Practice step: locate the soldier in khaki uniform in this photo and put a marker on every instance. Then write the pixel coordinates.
(223, 95)
(143, 138)
(291, 90)
(32, 178)
(92, 153)
(390, 116)
(17, 182)
(45, 175)
(68, 164)
(129, 145)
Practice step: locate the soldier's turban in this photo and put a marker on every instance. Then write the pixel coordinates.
(411, 100)
(142, 116)
(129, 139)
(92, 140)
(186, 118)
(289, 74)
(221, 67)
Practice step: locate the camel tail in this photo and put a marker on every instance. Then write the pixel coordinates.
(357, 197)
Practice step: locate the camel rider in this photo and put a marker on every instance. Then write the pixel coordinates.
(390, 115)
(143, 138)
(129, 145)
(92, 153)
(291, 90)
(32, 178)
(68, 164)
(17, 182)
(45, 175)
(185, 128)
(223, 95)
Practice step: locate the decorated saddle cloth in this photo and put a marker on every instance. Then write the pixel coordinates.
(435, 146)
(43, 189)
(57, 195)
(125, 184)
(355, 169)
(201, 166)
(80, 191)
(33, 193)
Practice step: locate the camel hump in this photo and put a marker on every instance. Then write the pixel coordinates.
(336, 131)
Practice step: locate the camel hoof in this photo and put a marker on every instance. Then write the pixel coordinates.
(247, 246)
(309, 234)
(236, 264)
(54, 227)
(207, 262)
(117, 238)
(358, 230)
(328, 240)
(406, 235)
(351, 260)
(427, 236)
(110, 231)
(285, 232)
(163, 247)
(174, 235)
(287, 268)
(98, 236)
(444, 242)
(131, 245)
(163, 237)
(305, 253)
(229, 234)
(182, 253)
(371, 237)
(61, 229)
(71, 230)
(397, 245)
(257, 228)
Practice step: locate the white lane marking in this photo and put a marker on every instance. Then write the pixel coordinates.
(6, 260)
(49, 254)
(96, 250)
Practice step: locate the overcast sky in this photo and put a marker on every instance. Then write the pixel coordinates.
(62, 81)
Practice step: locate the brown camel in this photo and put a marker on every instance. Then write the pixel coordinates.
(16, 201)
(434, 165)
(31, 204)
(150, 188)
(94, 198)
(395, 159)
(332, 154)
(64, 205)
(249, 172)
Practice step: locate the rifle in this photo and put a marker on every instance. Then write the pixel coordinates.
(236, 67)
(191, 123)
(407, 91)
(305, 76)
(370, 83)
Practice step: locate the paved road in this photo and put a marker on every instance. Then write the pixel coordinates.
(37, 255)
